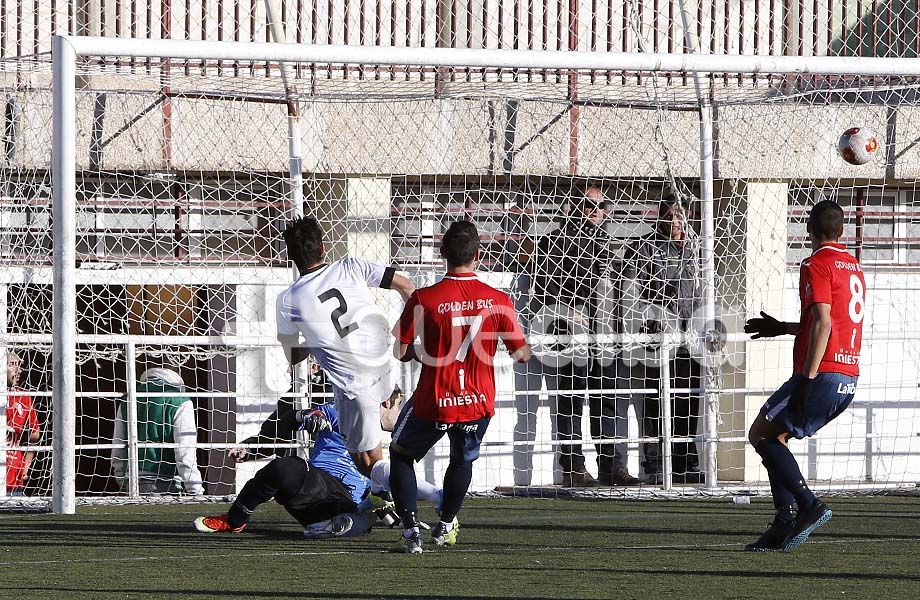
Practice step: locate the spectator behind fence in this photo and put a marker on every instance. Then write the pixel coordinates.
(573, 259)
(662, 291)
(22, 428)
(529, 376)
(160, 420)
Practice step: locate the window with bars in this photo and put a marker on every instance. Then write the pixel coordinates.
(881, 224)
(142, 219)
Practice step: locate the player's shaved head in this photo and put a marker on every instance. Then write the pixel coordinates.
(304, 240)
(460, 244)
(825, 221)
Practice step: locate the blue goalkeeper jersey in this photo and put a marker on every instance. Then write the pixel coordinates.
(330, 455)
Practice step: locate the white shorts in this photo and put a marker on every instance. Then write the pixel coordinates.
(359, 414)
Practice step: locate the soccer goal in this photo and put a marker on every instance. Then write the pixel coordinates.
(143, 204)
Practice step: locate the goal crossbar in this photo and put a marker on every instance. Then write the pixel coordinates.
(511, 59)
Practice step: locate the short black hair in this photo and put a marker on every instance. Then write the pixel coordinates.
(669, 201)
(826, 220)
(460, 243)
(304, 240)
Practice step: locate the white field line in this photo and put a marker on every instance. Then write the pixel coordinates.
(170, 558)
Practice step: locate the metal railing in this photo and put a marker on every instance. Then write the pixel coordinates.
(504, 401)
(765, 27)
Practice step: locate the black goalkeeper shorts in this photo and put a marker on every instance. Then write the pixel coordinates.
(319, 497)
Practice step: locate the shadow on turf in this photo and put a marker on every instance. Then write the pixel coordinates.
(784, 574)
(560, 526)
(223, 593)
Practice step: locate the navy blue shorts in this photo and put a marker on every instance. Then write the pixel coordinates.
(415, 437)
(831, 394)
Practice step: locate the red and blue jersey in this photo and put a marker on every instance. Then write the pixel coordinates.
(459, 321)
(832, 276)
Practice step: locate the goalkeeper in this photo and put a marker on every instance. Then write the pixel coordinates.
(327, 494)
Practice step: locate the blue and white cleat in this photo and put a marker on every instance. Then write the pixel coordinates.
(411, 544)
(337, 526)
(805, 524)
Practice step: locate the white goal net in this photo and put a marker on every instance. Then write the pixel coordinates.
(633, 263)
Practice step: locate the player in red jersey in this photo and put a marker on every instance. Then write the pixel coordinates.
(828, 337)
(459, 321)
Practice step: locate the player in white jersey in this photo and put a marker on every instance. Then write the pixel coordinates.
(330, 312)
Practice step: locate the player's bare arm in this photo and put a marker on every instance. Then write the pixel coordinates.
(389, 410)
(290, 342)
(407, 352)
(403, 352)
(817, 341)
(403, 285)
(522, 354)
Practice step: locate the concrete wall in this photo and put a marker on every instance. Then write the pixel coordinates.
(392, 128)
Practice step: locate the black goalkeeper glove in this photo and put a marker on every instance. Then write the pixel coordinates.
(313, 421)
(800, 395)
(764, 326)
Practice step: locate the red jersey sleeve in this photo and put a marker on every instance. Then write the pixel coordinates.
(510, 329)
(819, 276)
(32, 418)
(409, 319)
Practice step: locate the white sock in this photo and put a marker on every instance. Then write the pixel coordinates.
(380, 479)
(380, 475)
(429, 492)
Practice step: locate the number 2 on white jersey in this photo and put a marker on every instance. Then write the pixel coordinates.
(475, 324)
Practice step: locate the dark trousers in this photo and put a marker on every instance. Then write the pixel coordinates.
(609, 414)
(569, 410)
(529, 378)
(685, 411)
(308, 494)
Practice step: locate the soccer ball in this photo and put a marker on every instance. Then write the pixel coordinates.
(857, 145)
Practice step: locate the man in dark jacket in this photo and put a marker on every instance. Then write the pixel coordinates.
(570, 263)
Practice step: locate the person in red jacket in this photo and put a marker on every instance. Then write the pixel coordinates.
(22, 428)
(459, 322)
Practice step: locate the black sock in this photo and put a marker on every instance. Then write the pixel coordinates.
(238, 515)
(404, 488)
(457, 479)
(783, 500)
(781, 463)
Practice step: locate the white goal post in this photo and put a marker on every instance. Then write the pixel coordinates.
(67, 53)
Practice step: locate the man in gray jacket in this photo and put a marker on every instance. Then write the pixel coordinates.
(662, 291)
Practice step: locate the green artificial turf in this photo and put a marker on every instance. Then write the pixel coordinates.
(508, 548)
